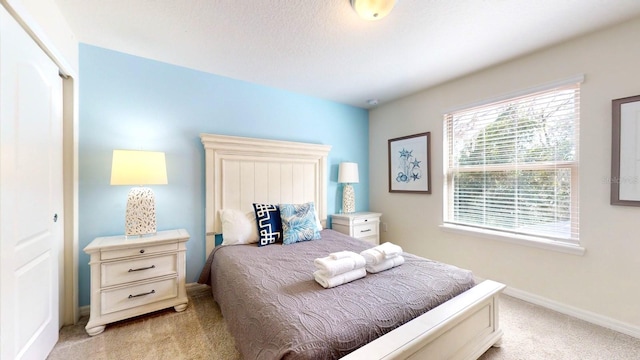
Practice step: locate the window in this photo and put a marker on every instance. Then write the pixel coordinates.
(512, 165)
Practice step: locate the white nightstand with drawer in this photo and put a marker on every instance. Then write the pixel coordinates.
(136, 275)
(361, 225)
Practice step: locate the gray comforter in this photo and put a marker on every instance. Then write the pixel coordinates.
(276, 310)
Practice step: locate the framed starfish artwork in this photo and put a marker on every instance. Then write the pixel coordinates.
(410, 164)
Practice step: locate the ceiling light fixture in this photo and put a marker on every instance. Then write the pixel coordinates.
(372, 9)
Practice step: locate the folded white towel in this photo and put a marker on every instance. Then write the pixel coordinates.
(331, 267)
(372, 256)
(386, 264)
(333, 281)
(342, 254)
(389, 250)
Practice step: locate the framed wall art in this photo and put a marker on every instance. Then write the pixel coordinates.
(410, 164)
(625, 151)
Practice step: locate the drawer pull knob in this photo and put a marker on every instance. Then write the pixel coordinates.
(367, 230)
(143, 294)
(141, 251)
(144, 268)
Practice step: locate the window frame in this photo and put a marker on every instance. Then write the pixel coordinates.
(567, 245)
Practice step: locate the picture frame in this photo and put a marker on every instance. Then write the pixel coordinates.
(410, 164)
(625, 151)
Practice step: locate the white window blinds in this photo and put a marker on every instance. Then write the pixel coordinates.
(512, 165)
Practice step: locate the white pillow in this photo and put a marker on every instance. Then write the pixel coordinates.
(238, 227)
(318, 223)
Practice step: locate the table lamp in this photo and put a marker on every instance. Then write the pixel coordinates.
(133, 167)
(347, 175)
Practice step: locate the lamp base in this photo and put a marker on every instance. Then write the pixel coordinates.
(348, 199)
(140, 218)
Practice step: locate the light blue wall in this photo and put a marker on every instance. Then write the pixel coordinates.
(128, 102)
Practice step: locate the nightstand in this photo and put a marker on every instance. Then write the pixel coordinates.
(361, 225)
(136, 275)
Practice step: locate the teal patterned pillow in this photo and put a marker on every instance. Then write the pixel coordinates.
(298, 223)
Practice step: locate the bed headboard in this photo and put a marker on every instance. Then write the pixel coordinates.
(240, 171)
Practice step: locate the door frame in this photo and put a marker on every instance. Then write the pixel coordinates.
(68, 264)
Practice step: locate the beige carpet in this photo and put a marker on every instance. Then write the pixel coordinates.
(531, 332)
(196, 333)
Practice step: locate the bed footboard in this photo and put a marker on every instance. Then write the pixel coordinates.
(462, 328)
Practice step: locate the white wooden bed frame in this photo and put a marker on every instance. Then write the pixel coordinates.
(241, 171)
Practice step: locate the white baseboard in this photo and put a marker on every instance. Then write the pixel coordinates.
(585, 315)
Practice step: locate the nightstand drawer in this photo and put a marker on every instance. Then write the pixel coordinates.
(138, 295)
(371, 239)
(137, 251)
(366, 229)
(365, 220)
(120, 272)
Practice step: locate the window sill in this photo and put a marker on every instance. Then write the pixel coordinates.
(531, 241)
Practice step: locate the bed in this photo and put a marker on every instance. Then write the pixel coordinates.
(421, 309)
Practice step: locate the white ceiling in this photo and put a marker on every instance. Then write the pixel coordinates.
(323, 49)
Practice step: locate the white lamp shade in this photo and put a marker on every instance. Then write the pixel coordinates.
(348, 173)
(372, 9)
(133, 167)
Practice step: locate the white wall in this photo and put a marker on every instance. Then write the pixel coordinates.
(47, 22)
(605, 280)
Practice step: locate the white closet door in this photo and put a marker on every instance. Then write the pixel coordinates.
(30, 195)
